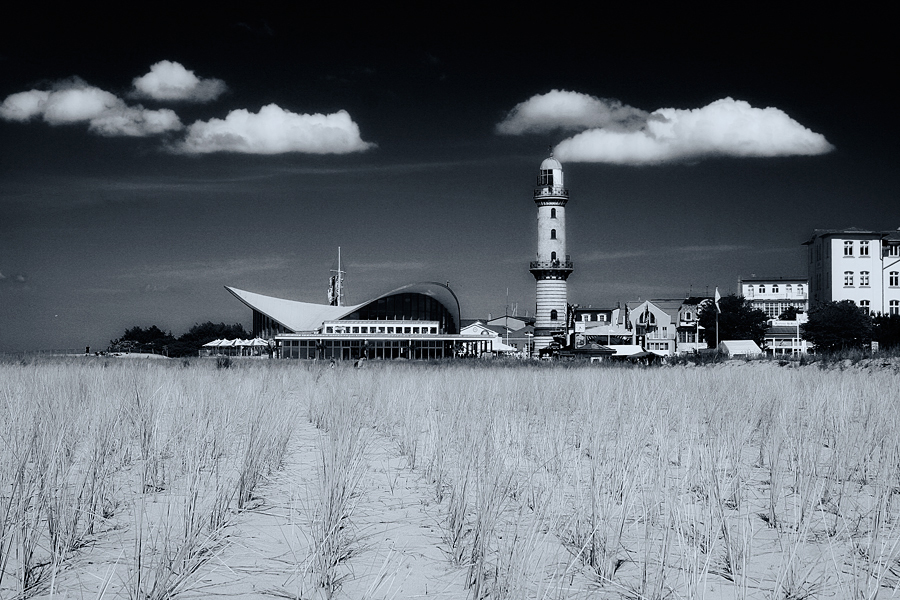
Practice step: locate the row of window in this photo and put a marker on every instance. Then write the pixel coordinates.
(863, 248)
(353, 349)
(893, 279)
(379, 329)
(893, 306)
(849, 246)
(774, 309)
(892, 250)
(592, 317)
(788, 288)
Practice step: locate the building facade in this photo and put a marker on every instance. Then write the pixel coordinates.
(553, 266)
(774, 295)
(417, 321)
(855, 264)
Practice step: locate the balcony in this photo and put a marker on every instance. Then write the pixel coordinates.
(551, 190)
(547, 265)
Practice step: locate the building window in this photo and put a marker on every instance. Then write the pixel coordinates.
(800, 289)
(552, 213)
(848, 248)
(893, 251)
(787, 288)
(774, 288)
(552, 234)
(894, 279)
(864, 304)
(749, 290)
(553, 315)
(864, 248)
(864, 278)
(895, 307)
(848, 278)
(762, 289)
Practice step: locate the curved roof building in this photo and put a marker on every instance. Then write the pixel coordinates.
(419, 320)
(427, 301)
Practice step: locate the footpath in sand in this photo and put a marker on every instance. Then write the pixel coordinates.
(398, 551)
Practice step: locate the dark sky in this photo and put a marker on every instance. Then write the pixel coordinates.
(103, 231)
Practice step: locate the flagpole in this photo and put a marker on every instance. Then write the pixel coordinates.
(718, 310)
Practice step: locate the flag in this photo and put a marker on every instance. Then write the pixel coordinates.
(332, 291)
(718, 297)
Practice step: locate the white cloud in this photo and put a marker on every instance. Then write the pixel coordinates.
(74, 101)
(169, 80)
(726, 127)
(561, 109)
(80, 102)
(23, 106)
(136, 122)
(274, 130)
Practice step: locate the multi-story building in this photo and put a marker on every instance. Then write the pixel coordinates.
(668, 326)
(774, 295)
(855, 264)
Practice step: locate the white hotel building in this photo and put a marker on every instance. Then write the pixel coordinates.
(774, 295)
(855, 264)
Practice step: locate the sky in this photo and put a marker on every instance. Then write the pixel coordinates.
(147, 161)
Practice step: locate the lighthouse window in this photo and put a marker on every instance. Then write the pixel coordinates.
(553, 256)
(546, 177)
(552, 234)
(553, 315)
(552, 213)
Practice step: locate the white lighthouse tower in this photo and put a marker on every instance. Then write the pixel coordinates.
(553, 266)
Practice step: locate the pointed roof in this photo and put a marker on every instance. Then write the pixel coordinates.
(293, 315)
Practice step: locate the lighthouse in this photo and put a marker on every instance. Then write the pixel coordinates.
(553, 266)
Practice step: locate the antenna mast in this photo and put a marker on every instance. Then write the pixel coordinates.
(336, 284)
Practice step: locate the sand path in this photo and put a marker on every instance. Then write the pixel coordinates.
(398, 548)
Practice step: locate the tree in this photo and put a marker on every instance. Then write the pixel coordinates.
(738, 320)
(189, 343)
(836, 326)
(789, 314)
(137, 339)
(886, 331)
(152, 339)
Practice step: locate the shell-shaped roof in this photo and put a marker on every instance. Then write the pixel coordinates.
(307, 316)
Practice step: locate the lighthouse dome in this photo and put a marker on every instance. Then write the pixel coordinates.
(550, 163)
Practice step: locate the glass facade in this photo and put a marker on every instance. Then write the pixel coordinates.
(409, 306)
(351, 349)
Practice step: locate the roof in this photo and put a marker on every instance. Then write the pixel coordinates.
(293, 315)
(739, 347)
(669, 306)
(696, 300)
(550, 163)
(307, 316)
(778, 279)
(890, 234)
(781, 331)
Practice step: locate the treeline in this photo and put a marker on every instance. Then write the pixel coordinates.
(832, 326)
(843, 325)
(153, 340)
